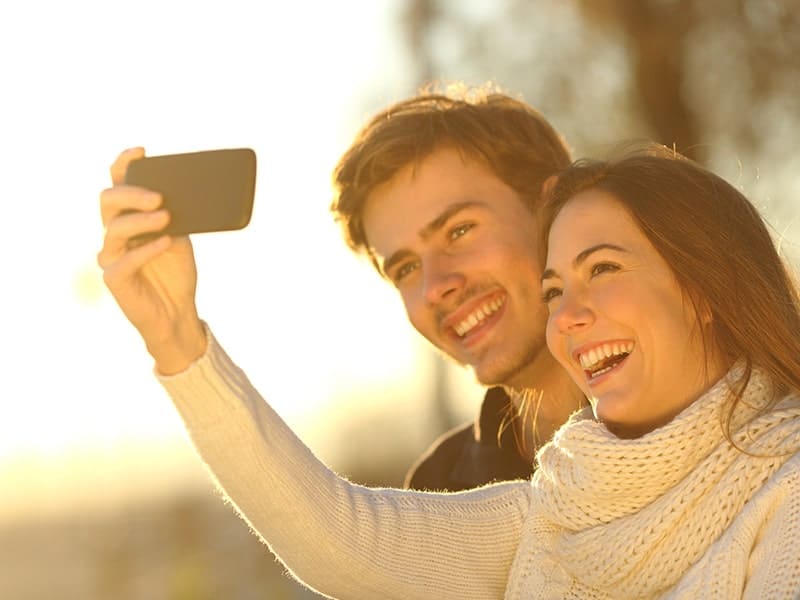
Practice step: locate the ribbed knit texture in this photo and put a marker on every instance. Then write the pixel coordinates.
(677, 513)
(636, 518)
(341, 539)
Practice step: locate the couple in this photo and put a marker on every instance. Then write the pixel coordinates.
(660, 294)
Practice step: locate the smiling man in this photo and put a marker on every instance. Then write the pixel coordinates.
(441, 193)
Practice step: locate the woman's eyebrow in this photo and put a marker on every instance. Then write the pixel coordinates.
(582, 256)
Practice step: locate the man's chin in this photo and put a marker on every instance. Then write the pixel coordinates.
(489, 372)
(491, 375)
(512, 373)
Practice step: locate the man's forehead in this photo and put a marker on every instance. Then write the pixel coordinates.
(400, 212)
(391, 234)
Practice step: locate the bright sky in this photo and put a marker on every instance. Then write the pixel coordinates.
(82, 80)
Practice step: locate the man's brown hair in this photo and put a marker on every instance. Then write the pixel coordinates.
(508, 136)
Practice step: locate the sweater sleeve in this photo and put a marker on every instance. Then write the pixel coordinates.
(338, 538)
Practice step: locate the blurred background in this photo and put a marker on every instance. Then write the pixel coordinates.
(101, 495)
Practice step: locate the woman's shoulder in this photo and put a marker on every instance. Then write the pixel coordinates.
(780, 429)
(783, 487)
(789, 473)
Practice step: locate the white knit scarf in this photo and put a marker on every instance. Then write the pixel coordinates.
(618, 511)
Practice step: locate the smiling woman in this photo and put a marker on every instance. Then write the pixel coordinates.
(619, 321)
(691, 286)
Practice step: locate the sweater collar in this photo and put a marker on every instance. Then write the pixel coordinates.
(619, 504)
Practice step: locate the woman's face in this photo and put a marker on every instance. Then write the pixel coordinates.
(619, 323)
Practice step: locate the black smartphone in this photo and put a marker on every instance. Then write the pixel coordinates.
(204, 191)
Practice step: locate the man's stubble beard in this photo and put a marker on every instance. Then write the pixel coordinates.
(510, 367)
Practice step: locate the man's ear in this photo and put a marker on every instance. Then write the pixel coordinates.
(548, 184)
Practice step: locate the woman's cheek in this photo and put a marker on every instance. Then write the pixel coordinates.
(556, 344)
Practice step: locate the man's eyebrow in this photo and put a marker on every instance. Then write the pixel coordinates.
(443, 217)
(582, 256)
(428, 230)
(395, 258)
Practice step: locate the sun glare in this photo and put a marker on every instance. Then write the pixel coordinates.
(309, 322)
(88, 285)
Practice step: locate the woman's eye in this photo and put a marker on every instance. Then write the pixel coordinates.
(550, 294)
(459, 230)
(600, 268)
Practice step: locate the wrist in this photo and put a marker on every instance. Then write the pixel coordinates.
(175, 351)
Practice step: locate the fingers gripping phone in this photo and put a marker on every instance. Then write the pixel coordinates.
(204, 191)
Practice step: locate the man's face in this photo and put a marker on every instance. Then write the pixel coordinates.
(459, 245)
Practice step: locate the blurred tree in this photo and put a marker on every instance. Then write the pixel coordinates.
(700, 67)
(719, 79)
(655, 34)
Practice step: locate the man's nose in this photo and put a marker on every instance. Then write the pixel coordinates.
(441, 278)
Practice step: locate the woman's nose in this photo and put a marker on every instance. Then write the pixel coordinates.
(572, 313)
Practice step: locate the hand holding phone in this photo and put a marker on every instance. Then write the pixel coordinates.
(212, 190)
(154, 283)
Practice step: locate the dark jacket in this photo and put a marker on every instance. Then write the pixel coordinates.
(470, 455)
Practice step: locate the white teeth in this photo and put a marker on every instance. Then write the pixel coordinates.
(593, 356)
(478, 316)
(591, 359)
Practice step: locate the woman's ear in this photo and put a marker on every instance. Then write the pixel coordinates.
(706, 316)
(700, 307)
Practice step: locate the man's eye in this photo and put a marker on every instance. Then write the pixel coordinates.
(403, 270)
(603, 267)
(459, 230)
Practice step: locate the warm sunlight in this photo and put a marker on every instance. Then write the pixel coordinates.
(103, 495)
(312, 325)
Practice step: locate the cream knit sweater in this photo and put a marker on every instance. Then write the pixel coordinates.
(678, 513)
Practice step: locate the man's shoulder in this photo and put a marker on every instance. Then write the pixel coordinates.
(471, 454)
(434, 465)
